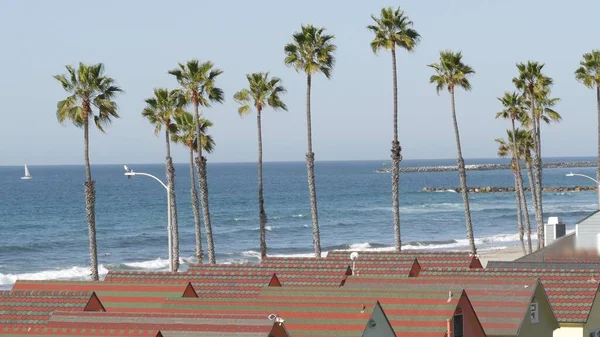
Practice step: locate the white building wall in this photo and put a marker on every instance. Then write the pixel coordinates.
(568, 332)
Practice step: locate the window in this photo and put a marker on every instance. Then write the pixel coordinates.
(595, 333)
(458, 325)
(534, 313)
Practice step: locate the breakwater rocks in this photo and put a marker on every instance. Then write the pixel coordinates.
(490, 189)
(491, 167)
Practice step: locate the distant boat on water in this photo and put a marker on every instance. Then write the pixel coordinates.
(27, 175)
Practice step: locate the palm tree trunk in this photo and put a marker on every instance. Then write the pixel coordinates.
(203, 185)
(532, 186)
(90, 202)
(520, 189)
(261, 201)
(519, 213)
(463, 179)
(310, 168)
(537, 165)
(195, 208)
(171, 183)
(396, 158)
(598, 165)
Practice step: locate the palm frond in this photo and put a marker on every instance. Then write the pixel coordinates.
(451, 72)
(311, 51)
(89, 88)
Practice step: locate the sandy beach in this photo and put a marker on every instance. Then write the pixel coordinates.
(506, 254)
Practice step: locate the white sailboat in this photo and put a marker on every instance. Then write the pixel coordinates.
(27, 175)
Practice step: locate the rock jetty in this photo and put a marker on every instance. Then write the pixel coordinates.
(492, 167)
(496, 189)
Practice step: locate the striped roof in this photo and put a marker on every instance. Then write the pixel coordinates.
(168, 323)
(426, 259)
(419, 314)
(500, 304)
(63, 332)
(287, 277)
(543, 265)
(364, 267)
(35, 307)
(316, 318)
(571, 292)
(112, 294)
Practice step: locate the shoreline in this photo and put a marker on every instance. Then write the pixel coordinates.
(500, 254)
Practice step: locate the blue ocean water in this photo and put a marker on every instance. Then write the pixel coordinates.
(43, 232)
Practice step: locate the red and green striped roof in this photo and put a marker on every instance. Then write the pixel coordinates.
(24, 307)
(571, 292)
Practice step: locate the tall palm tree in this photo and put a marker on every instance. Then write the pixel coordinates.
(262, 92)
(160, 111)
(91, 97)
(589, 74)
(450, 73)
(198, 81)
(186, 135)
(312, 51)
(394, 29)
(505, 148)
(512, 104)
(531, 80)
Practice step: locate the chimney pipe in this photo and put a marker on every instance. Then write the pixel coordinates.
(448, 328)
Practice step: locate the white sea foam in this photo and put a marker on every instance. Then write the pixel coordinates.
(360, 246)
(297, 216)
(83, 273)
(153, 264)
(267, 228)
(79, 273)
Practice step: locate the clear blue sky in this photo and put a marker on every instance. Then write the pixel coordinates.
(139, 41)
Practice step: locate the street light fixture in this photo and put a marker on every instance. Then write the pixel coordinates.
(571, 174)
(130, 173)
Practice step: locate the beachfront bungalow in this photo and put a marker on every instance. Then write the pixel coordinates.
(428, 312)
(505, 307)
(573, 294)
(23, 307)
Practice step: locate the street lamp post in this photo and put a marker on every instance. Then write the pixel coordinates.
(571, 174)
(130, 173)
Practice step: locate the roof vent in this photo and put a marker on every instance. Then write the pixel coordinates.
(449, 296)
(276, 318)
(555, 229)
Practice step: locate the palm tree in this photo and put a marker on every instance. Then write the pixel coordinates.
(89, 89)
(531, 81)
(198, 80)
(311, 52)
(450, 73)
(262, 92)
(186, 135)
(589, 74)
(512, 104)
(160, 111)
(394, 29)
(504, 150)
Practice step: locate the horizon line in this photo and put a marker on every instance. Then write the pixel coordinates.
(287, 161)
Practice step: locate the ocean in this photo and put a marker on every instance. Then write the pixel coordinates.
(43, 231)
